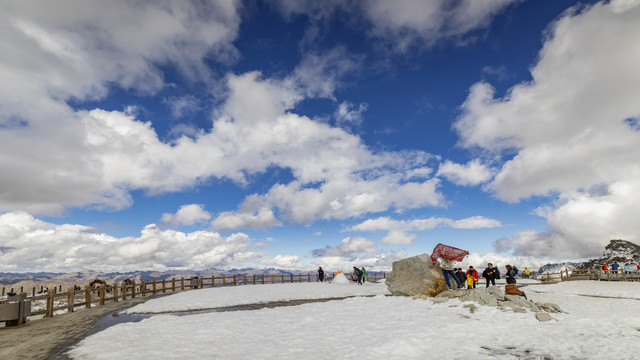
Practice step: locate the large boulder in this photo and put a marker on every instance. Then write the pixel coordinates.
(416, 276)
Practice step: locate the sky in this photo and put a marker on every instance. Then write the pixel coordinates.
(295, 134)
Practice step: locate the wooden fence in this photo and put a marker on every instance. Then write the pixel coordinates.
(590, 274)
(68, 301)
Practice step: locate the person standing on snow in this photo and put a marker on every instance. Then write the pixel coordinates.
(489, 274)
(364, 274)
(320, 274)
(358, 274)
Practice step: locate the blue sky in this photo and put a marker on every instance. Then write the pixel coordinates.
(296, 134)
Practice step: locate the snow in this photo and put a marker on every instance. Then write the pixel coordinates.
(621, 290)
(255, 294)
(378, 327)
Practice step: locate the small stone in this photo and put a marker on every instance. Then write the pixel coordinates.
(544, 317)
(472, 308)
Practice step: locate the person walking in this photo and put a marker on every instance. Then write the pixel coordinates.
(364, 275)
(489, 274)
(358, 274)
(320, 274)
(447, 270)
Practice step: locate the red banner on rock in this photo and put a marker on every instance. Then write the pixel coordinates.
(447, 252)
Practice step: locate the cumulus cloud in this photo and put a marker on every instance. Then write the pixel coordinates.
(480, 261)
(386, 223)
(397, 229)
(381, 261)
(77, 50)
(186, 215)
(350, 114)
(34, 245)
(261, 219)
(473, 173)
(182, 105)
(95, 158)
(396, 237)
(348, 247)
(406, 23)
(569, 128)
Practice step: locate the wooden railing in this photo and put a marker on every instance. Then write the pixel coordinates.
(590, 274)
(55, 300)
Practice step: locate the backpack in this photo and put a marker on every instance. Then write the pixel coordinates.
(515, 270)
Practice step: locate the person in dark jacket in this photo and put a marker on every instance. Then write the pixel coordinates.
(511, 275)
(461, 275)
(490, 274)
(358, 274)
(320, 274)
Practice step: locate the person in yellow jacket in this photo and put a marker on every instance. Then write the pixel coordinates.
(526, 273)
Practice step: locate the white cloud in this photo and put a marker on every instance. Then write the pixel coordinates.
(480, 261)
(473, 173)
(182, 105)
(386, 223)
(414, 22)
(404, 23)
(186, 215)
(396, 237)
(350, 114)
(381, 261)
(570, 129)
(52, 53)
(349, 247)
(258, 220)
(31, 244)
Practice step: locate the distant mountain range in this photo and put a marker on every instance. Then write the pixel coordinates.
(617, 251)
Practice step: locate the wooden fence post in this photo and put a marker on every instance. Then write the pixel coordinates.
(254, 279)
(262, 278)
(115, 292)
(102, 294)
(154, 287)
(308, 277)
(164, 286)
(70, 292)
(124, 291)
(87, 296)
(51, 302)
(133, 289)
(143, 287)
(224, 281)
(182, 284)
(234, 280)
(282, 278)
(245, 279)
(213, 281)
(291, 278)
(173, 284)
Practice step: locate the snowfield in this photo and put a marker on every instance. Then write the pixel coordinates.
(378, 327)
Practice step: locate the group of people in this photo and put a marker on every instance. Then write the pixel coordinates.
(628, 267)
(470, 277)
(359, 275)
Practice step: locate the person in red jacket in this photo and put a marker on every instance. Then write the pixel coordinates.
(605, 266)
(474, 275)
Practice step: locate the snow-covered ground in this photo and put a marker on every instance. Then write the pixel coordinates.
(379, 327)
